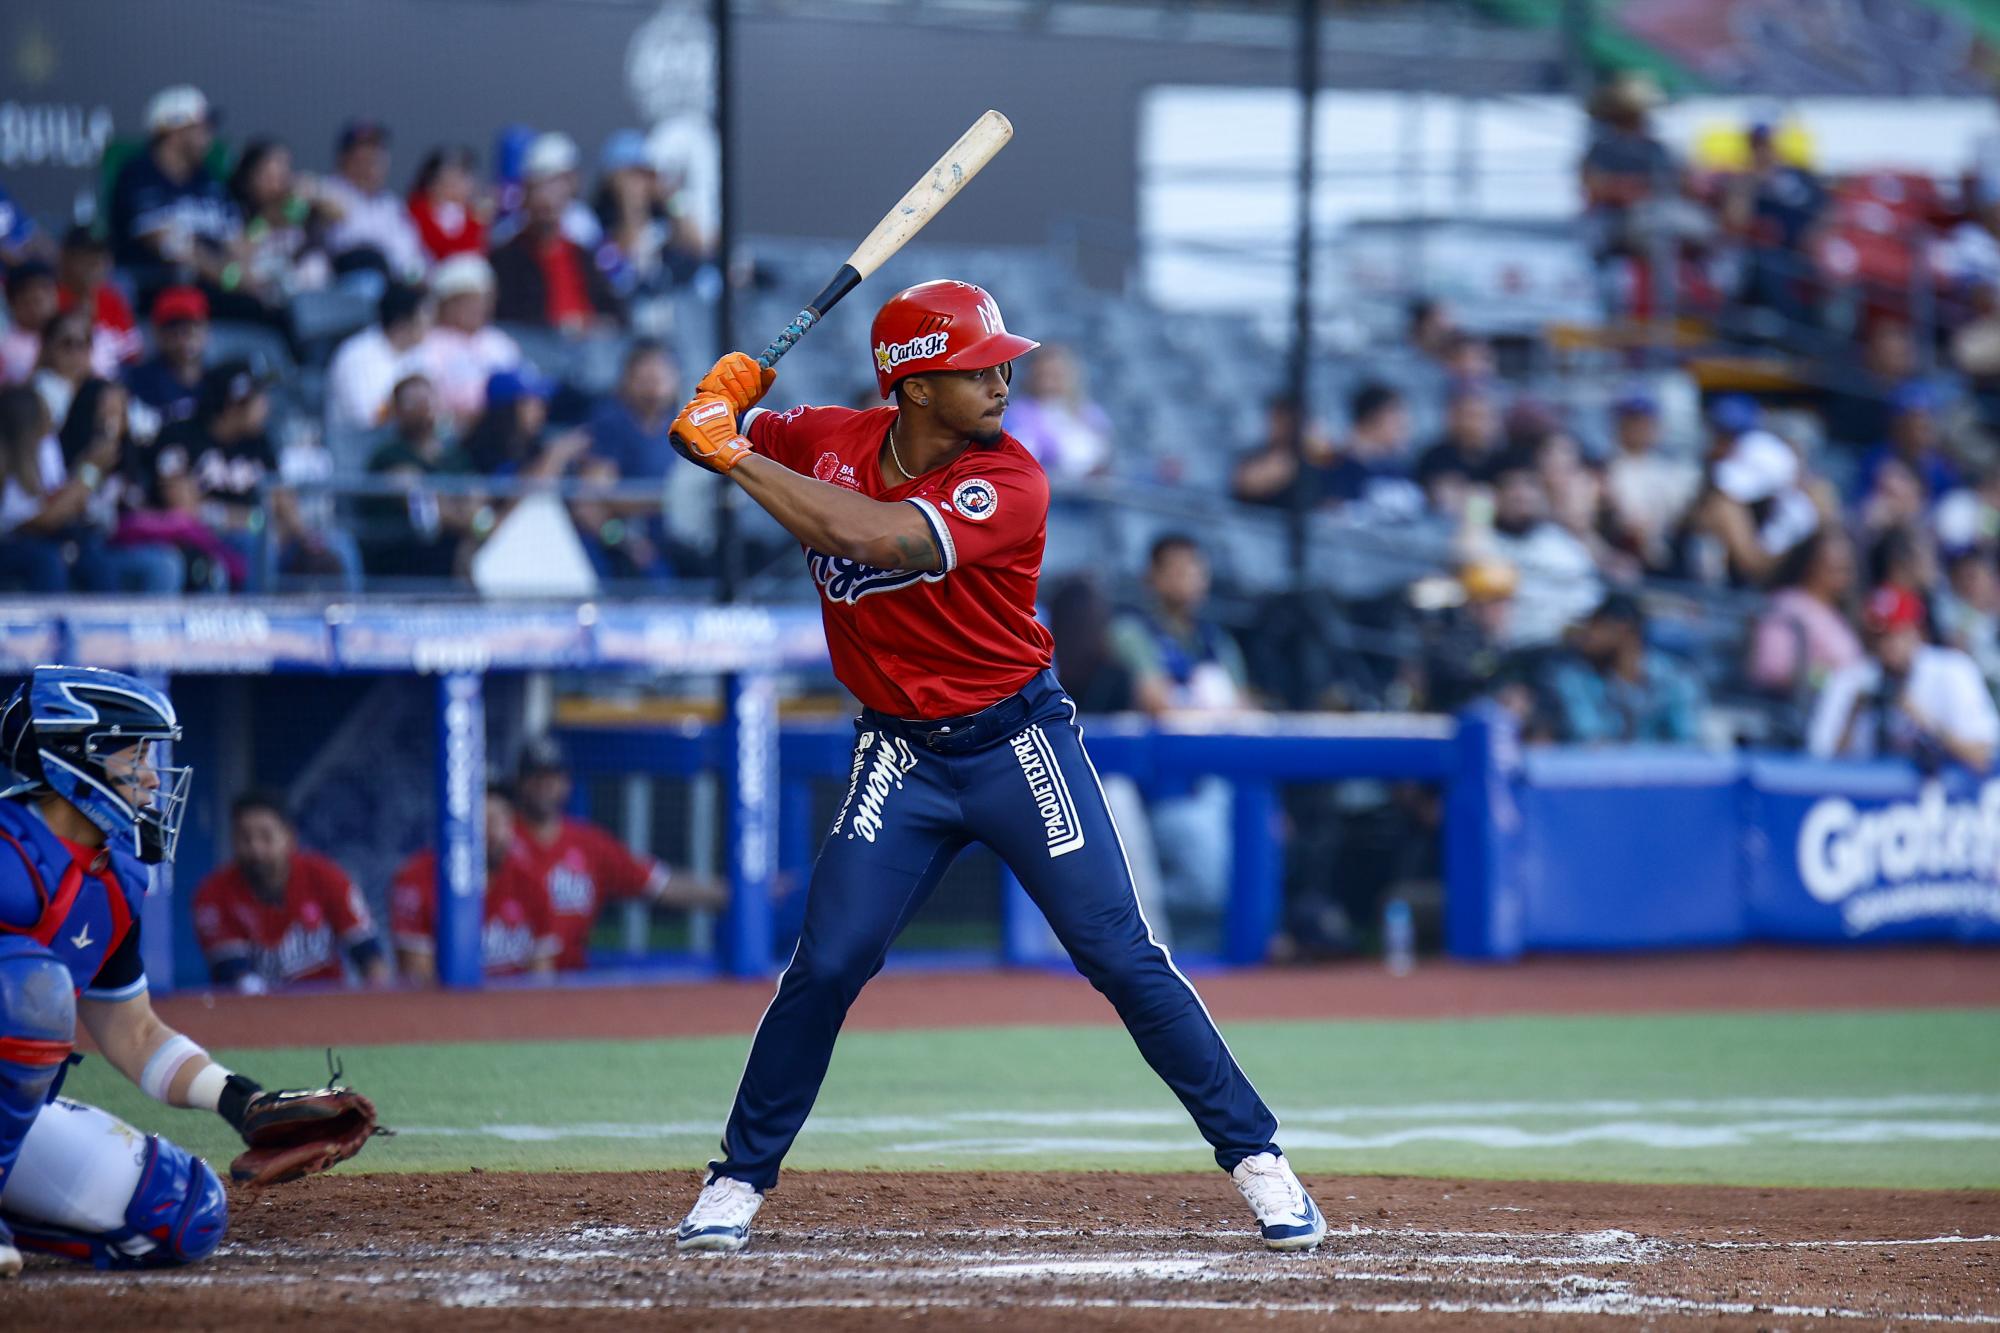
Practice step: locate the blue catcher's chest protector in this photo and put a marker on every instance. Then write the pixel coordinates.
(82, 917)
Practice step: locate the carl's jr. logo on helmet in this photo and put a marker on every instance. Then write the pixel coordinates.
(890, 355)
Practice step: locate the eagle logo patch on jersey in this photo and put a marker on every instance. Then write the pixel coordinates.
(844, 580)
(976, 499)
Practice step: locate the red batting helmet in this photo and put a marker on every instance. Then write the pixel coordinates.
(941, 325)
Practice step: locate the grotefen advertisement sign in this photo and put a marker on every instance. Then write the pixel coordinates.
(1837, 864)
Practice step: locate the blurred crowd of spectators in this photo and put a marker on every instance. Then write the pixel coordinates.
(136, 459)
(1848, 501)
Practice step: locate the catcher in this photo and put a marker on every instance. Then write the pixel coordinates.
(91, 809)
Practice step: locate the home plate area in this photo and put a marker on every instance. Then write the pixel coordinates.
(1018, 1250)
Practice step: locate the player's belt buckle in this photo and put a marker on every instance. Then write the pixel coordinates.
(935, 739)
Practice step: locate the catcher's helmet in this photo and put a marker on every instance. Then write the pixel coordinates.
(58, 730)
(940, 325)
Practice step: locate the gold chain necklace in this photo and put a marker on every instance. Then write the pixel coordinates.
(897, 458)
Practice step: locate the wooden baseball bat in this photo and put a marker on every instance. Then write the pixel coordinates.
(933, 190)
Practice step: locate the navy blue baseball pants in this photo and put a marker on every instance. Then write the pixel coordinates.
(1015, 777)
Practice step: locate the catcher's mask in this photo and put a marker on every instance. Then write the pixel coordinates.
(90, 736)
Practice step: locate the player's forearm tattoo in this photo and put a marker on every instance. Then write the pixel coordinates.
(916, 552)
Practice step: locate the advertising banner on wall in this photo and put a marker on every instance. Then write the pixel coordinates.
(1861, 854)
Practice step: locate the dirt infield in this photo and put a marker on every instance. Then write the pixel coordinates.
(995, 1250)
(1734, 979)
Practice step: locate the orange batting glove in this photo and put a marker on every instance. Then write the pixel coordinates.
(738, 378)
(705, 433)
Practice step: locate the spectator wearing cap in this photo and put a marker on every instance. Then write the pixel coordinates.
(1754, 505)
(445, 207)
(1804, 636)
(631, 210)
(1613, 688)
(170, 381)
(1908, 698)
(545, 278)
(1462, 457)
(32, 301)
(1913, 440)
(581, 865)
(1647, 491)
(1772, 208)
(284, 224)
(462, 349)
(649, 238)
(219, 467)
(171, 220)
(512, 438)
(83, 273)
(372, 227)
(422, 534)
(1466, 653)
(368, 365)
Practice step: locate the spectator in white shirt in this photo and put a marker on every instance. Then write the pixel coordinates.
(1056, 421)
(368, 366)
(373, 229)
(463, 349)
(1909, 698)
(1559, 577)
(1647, 490)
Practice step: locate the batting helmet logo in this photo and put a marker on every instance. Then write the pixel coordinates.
(941, 325)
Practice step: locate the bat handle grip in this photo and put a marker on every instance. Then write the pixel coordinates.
(794, 331)
(845, 281)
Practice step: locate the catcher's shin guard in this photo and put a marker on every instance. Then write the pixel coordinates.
(177, 1215)
(37, 1033)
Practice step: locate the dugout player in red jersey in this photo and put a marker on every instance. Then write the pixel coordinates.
(581, 866)
(518, 937)
(923, 525)
(278, 915)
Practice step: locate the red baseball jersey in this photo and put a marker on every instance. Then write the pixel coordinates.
(579, 869)
(906, 642)
(519, 930)
(299, 939)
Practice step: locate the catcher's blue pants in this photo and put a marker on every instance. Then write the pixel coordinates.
(1015, 777)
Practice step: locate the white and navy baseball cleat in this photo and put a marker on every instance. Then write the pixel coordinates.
(1286, 1214)
(720, 1218)
(10, 1258)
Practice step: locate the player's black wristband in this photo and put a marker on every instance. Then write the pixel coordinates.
(235, 1100)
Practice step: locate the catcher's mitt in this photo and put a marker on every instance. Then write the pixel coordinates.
(296, 1133)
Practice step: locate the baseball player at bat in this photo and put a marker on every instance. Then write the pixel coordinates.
(92, 807)
(923, 524)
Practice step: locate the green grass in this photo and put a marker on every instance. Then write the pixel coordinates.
(1882, 1099)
